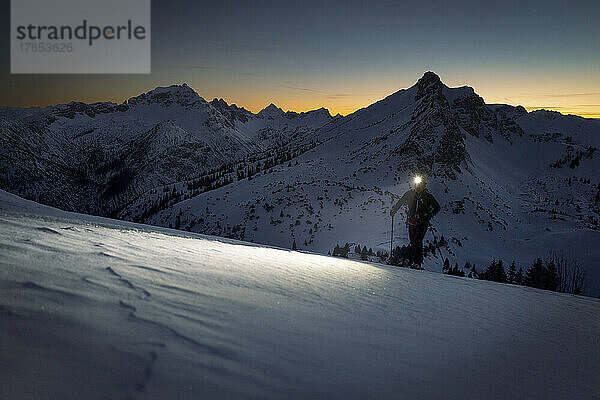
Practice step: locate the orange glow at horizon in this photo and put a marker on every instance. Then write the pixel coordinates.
(577, 101)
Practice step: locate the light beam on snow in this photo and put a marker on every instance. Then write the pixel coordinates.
(93, 308)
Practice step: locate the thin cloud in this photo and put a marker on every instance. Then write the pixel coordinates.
(338, 95)
(329, 95)
(238, 47)
(547, 107)
(326, 94)
(560, 94)
(188, 66)
(573, 107)
(303, 89)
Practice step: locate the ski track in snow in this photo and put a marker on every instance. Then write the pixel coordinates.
(95, 308)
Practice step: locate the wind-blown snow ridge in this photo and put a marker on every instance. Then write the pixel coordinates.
(96, 308)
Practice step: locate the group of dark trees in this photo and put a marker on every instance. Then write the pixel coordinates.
(365, 253)
(163, 200)
(455, 270)
(252, 166)
(171, 195)
(400, 255)
(209, 182)
(341, 251)
(557, 272)
(222, 176)
(432, 247)
(574, 159)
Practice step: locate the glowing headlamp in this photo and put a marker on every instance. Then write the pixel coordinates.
(417, 180)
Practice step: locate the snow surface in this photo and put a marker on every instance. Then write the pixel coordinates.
(97, 308)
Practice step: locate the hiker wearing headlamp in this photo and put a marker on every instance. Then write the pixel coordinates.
(422, 206)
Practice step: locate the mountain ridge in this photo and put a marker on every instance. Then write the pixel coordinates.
(171, 158)
(184, 87)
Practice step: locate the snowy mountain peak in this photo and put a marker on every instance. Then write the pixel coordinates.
(231, 112)
(182, 89)
(429, 84)
(319, 111)
(429, 78)
(70, 110)
(182, 95)
(270, 111)
(219, 103)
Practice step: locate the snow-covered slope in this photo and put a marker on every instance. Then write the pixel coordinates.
(99, 157)
(96, 308)
(513, 185)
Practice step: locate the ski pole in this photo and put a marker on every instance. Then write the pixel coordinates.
(435, 238)
(392, 238)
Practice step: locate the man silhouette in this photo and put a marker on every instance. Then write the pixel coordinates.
(422, 206)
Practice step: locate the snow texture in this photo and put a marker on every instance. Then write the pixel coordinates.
(96, 308)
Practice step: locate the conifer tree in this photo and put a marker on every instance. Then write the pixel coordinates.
(363, 254)
(495, 272)
(534, 275)
(519, 278)
(446, 267)
(550, 277)
(512, 273)
(336, 250)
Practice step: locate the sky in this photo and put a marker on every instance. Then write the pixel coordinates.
(345, 55)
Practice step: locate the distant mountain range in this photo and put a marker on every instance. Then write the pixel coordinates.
(513, 185)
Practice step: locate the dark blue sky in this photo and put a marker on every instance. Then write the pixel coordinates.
(345, 55)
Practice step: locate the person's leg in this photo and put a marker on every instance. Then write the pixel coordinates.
(419, 234)
(413, 236)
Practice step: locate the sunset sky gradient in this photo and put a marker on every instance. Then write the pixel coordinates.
(344, 55)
